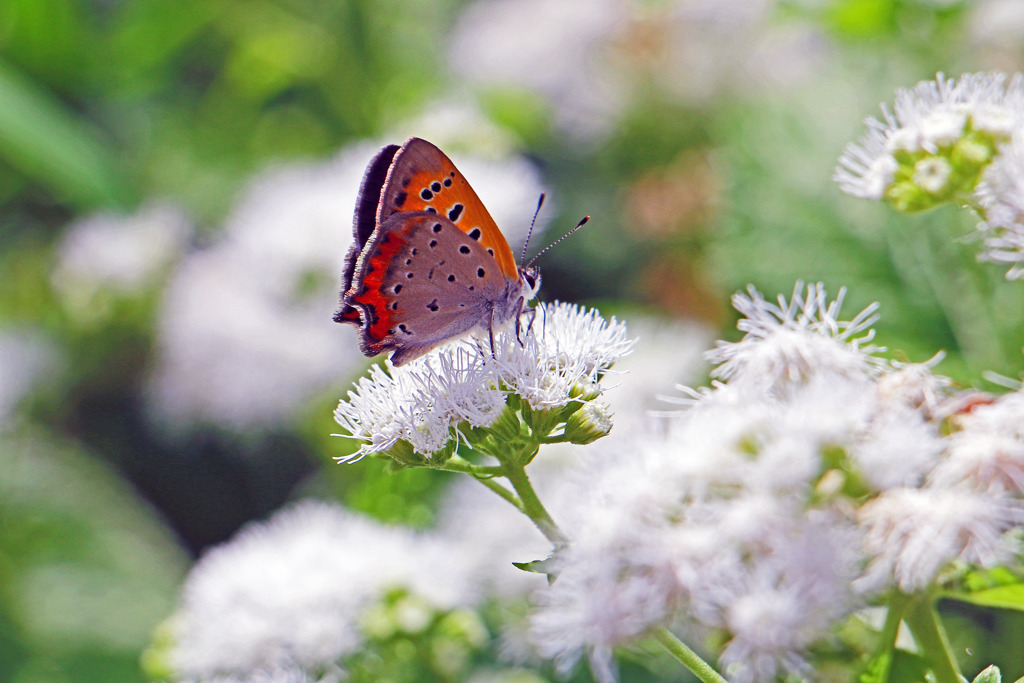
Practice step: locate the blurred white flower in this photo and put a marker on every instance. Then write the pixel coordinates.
(987, 450)
(245, 334)
(587, 59)
(125, 254)
(912, 534)
(745, 516)
(666, 353)
(554, 49)
(292, 593)
(995, 28)
(273, 673)
(423, 402)
(915, 385)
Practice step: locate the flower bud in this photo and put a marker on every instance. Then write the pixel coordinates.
(589, 423)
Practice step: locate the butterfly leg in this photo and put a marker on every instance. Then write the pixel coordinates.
(520, 310)
(490, 332)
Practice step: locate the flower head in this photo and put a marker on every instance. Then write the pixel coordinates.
(429, 403)
(1001, 199)
(790, 342)
(911, 534)
(812, 476)
(935, 143)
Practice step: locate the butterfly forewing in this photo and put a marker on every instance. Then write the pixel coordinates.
(423, 178)
(423, 282)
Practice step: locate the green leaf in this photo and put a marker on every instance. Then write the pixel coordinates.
(44, 141)
(989, 675)
(1004, 597)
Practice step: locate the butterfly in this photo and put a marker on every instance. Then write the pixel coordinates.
(428, 263)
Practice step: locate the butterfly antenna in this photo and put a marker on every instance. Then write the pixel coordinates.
(529, 234)
(558, 241)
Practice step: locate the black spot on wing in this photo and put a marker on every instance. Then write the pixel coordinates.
(453, 216)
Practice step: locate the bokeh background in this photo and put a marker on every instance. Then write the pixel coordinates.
(177, 180)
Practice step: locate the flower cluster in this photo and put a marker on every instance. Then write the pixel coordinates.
(809, 481)
(297, 597)
(418, 413)
(950, 141)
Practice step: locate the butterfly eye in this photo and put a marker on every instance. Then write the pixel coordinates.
(531, 276)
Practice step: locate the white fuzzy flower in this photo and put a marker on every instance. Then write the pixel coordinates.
(424, 402)
(570, 347)
(911, 534)
(790, 342)
(898, 447)
(926, 120)
(740, 517)
(1001, 199)
(685, 531)
(914, 385)
(291, 593)
(781, 602)
(987, 451)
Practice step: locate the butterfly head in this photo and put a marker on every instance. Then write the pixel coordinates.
(530, 277)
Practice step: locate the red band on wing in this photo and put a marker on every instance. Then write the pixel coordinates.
(373, 299)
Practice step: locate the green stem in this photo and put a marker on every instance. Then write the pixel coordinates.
(924, 624)
(532, 507)
(484, 475)
(459, 464)
(690, 659)
(890, 630)
(955, 283)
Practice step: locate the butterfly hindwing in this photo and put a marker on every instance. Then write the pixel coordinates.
(423, 281)
(364, 222)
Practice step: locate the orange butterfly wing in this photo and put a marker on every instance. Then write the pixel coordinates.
(423, 178)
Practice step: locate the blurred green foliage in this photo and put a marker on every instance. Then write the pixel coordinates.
(104, 105)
